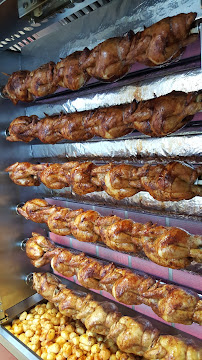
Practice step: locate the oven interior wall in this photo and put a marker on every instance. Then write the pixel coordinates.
(14, 265)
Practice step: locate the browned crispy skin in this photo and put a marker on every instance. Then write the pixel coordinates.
(26, 174)
(111, 122)
(74, 126)
(61, 220)
(171, 182)
(39, 250)
(108, 61)
(166, 246)
(158, 44)
(23, 128)
(163, 41)
(166, 114)
(68, 72)
(136, 336)
(16, 89)
(30, 210)
(80, 178)
(156, 117)
(176, 181)
(48, 129)
(40, 82)
(172, 303)
(83, 226)
(56, 176)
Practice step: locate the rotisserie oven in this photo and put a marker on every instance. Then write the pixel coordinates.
(101, 180)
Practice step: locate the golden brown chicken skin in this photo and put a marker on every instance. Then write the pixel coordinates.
(16, 88)
(68, 72)
(108, 61)
(156, 117)
(172, 303)
(158, 44)
(175, 181)
(172, 182)
(163, 41)
(166, 114)
(41, 82)
(136, 336)
(23, 128)
(26, 174)
(166, 246)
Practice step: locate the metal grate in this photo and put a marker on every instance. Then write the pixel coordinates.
(29, 33)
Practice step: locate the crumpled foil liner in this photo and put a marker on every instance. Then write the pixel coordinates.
(120, 93)
(135, 148)
(142, 202)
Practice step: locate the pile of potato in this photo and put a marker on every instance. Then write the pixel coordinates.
(55, 337)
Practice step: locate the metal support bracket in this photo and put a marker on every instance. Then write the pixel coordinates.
(27, 6)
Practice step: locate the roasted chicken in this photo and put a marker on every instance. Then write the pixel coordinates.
(156, 117)
(136, 336)
(16, 87)
(156, 45)
(162, 42)
(40, 82)
(172, 303)
(69, 73)
(166, 246)
(171, 182)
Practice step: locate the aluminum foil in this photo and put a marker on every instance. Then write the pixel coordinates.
(186, 144)
(122, 92)
(184, 148)
(142, 202)
(135, 148)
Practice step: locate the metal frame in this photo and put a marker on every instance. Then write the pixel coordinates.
(27, 29)
(14, 265)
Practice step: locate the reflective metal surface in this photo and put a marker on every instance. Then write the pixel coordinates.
(13, 229)
(8, 340)
(184, 145)
(16, 32)
(27, 6)
(114, 19)
(15, 347)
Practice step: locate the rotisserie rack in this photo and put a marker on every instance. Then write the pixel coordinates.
(102, 186)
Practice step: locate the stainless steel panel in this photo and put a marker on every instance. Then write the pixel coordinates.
(111, 20)
(13, 262)
(15, 29)
(16, 347)
(8, 340)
